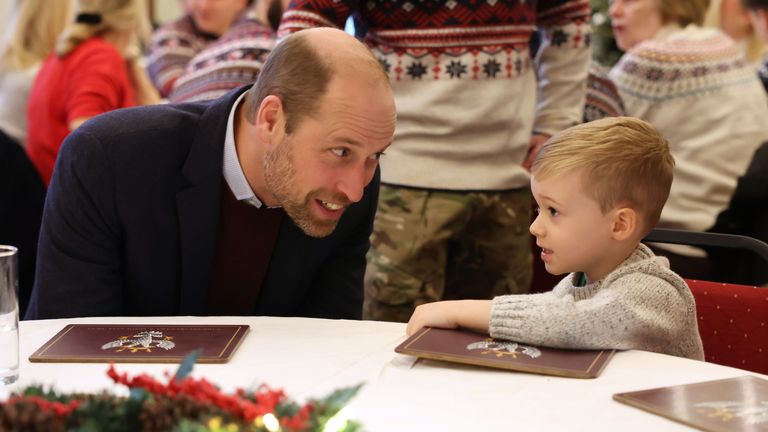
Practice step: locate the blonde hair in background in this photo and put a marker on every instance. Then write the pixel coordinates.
(755, 48)
(683, 12)
(116, 15)
(34, 27)
(623, 160)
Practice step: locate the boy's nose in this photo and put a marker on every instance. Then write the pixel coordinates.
(536, 229)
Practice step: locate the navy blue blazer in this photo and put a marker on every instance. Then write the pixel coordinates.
(131, 222)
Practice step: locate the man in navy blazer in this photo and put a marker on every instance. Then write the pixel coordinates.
(260, 202)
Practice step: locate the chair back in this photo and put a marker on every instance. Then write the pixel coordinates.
(733, 323)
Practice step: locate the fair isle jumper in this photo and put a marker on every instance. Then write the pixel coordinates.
(465, 82)
(603, 98)
(641, 304)
(233, 60)
(695, 86)
(173, 46)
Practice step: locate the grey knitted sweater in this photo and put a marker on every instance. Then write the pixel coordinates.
(641, 304)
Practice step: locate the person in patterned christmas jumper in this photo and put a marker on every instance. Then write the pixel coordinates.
(600, 188)
(694, 84)
(473, 107)
(233, 60)
(176, 43)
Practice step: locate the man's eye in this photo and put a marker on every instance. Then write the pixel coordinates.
(340, 152)
(377, 156)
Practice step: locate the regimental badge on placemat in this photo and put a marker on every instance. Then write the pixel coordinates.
(733, 404)
(462, 346)
(162, 343)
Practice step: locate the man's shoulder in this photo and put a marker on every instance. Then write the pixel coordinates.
(647, 271)
(144, 121)
(149, 137)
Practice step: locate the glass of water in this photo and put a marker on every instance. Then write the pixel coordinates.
(9, 316)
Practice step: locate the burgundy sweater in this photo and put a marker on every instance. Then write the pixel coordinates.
(247, 237)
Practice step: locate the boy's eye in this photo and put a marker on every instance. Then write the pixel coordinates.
(340, 151)
(553, 211)
(537, 210)
(377, 155)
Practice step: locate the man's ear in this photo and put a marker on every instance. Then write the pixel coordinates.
(625, 223)
(270, 120)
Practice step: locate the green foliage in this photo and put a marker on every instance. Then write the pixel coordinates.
(186, 366)
(604, 49)
(327, 407)
(106, 413)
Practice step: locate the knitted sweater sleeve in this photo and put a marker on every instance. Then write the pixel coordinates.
(636, 311)
(562, 63)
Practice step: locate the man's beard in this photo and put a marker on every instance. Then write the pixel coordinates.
(279, 176)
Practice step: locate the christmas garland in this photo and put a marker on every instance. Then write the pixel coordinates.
(182, 404)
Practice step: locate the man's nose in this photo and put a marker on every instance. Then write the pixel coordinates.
(353, 183)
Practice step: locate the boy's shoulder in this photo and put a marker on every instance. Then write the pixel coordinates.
(644, 265)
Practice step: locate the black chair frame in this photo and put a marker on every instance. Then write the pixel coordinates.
(708, 239)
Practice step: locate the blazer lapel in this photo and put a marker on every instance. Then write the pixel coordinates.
(198, 209)
(198, 205)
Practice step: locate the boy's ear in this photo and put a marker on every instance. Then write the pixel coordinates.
(625, 223)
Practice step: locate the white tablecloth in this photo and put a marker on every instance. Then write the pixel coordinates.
(309, 357)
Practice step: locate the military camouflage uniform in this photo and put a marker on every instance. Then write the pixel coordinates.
(470, 94)
(461, 245)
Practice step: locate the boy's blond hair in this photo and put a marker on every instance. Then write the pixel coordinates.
(623, 161)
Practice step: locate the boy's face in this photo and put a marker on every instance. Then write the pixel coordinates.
(571, 229)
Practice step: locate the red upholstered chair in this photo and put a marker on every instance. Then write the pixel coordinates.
(733, 319)
(733, 323)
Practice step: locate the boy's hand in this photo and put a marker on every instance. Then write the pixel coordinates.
(438, 314)
(473, 314)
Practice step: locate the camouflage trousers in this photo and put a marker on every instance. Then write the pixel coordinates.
(430, 245)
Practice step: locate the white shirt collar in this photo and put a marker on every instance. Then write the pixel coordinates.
(233, 172)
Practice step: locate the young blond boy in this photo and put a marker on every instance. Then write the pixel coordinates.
(600, 188)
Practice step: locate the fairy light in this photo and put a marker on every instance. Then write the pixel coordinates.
(339, 421)
(270, 422)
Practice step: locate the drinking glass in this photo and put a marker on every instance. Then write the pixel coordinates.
(9, 316)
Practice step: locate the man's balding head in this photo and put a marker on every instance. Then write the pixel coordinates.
(300, 69)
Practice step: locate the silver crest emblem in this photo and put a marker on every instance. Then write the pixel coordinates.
(501, 349)
(142, 341)
(751, 412)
